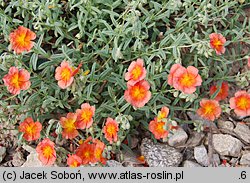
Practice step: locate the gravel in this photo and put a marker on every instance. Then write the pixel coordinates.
(178, 138)
(190, 164)
(2, 153)
(160, 155)
(243, 131)
(245, 159)
(227, 145)
(228, 125)
(201, 156)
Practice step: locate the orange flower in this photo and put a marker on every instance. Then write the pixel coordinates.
(110, 130)
(209, 110)
(241, 103)
(136, 72)
(223, 93)
(46, 152)
(74, 160)
(21, 39)
(30, 129)
(17, 80)
(248, 62)
(157, 128)
(80, 141)
(69, 126)
(86, 152)
(217, 42)
(172, 72)
(99, 147)
(163, 113)
(186, 79)
(84, 116)
(141, 159)
(65, 74)
(139, 94)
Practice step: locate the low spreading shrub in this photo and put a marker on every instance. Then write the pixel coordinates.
(91, 75)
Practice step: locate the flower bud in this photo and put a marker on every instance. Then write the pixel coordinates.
(209, 5)
(91, 129)
(109, 148)
(127, 126)
(118, 143)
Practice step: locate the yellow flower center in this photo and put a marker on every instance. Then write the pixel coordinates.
(80, 142)
(87, 154)
(30, 129)
(74, 164)
(15, 80)
(209, 109)
(66, 74)
(220, 92)
(70, 125)
(159, 127)
(138, 92)
(86, 115)
(187, 80)
(161, 115)
(98, 153)
(86, 72)
(243, 103)
(21, 39)
(111, 129)
(47, 151)
(136, 72)
(217, 43)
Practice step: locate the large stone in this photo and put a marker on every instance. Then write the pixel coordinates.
(178, 138)
(2, 153)
(18, 159)
(201, 156)
(190, 164)
(113, 163)
(160, 155)
(227, 145)
(243, 131)
(194, 139)
(33, 161)
(216, 159)
(228, 125)
(245, 159)
(32, 158)
(188, 153)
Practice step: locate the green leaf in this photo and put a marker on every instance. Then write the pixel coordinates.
(33, 60)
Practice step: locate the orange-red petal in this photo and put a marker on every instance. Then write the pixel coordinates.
(186, 79)
(64, 75)
(157, 128)
(30, 129)
(217, 42)
(110, 130)
(241, 103)
(138, 95)
(17, 80)
(69, 126)
(209, 109)
(21, 39)
(46, 151)
(85, 116)
(223, 93)
(136, 72)
(74, 161)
